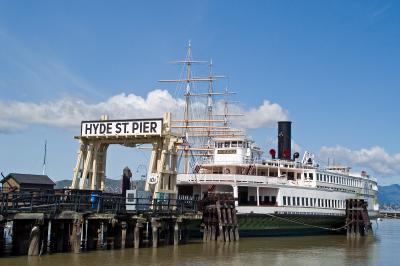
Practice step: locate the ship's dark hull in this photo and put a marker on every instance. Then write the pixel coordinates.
(253, 225)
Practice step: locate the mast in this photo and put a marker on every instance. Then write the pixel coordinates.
(195, 129)
(210, 105)
(187, 105)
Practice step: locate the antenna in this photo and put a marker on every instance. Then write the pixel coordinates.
(44, 157)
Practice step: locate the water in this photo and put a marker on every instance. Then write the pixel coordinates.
(380, 249)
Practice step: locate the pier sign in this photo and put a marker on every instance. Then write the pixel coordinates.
(114, 128)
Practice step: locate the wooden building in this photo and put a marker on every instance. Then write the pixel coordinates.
(26, 182)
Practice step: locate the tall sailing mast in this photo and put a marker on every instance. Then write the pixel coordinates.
(203, 128)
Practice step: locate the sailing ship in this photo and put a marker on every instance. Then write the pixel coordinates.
(278, 193)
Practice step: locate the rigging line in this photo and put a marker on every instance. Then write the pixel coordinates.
(310, 225)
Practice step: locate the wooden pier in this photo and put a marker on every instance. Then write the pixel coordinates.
(71, 221)
(389, 214)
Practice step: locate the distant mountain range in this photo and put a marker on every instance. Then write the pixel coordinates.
(112, 185)
(388, 195)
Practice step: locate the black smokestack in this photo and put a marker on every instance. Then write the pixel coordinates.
(284, 140)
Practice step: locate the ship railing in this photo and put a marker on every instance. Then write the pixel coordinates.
(231, 178)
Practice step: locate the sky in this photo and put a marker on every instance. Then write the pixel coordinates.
(331, 67)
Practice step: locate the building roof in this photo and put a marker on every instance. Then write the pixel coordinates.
(29, 179)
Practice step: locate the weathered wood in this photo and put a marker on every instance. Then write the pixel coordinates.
(34, 241)
(357, 219)
(155, 235)
(123, 234)
(176, 234)
(76, 237)
(136, 235)
(48, 247)
(2, 225)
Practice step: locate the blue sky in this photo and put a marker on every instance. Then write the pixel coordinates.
(332, 66)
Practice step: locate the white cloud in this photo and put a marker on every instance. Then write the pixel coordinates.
(267, 114)
(67, 112)
(376, 159)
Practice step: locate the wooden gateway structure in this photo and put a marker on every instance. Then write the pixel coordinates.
(96, 136)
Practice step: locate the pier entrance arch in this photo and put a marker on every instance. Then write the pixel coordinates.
(97, 136)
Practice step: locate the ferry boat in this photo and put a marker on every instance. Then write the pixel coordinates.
(275, 194)
(279, 196)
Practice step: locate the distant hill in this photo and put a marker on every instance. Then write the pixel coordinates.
(112, 185)
(389, 195)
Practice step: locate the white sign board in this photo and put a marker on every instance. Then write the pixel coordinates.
(121, 127)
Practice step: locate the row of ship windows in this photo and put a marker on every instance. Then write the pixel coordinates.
(339, 180)
(313, 202)
(232, 144)
(337, 189)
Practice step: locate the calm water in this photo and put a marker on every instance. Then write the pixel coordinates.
(380, 249)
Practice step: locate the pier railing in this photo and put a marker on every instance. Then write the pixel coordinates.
(56, 201)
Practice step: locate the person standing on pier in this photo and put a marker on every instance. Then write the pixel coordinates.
(126, 180)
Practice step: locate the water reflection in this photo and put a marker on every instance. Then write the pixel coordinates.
(379, 249)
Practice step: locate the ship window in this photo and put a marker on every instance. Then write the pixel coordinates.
(298, 201)
(298, 176)
(240, 144)
(284, 200)
(288, 201)
(306, 201)
(302, 201)
(324, 178)
(234, 144)
(310, 175)
(319, 203)
(290, 176)
(219, 144)
(227, 144)
(311, 202)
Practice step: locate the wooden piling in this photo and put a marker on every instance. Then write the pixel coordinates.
(136, 234)
(76, 236)
(154, 234)
(176, 234)
(123, 234)
(49, 238)
(34, 241)
(2, 225)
